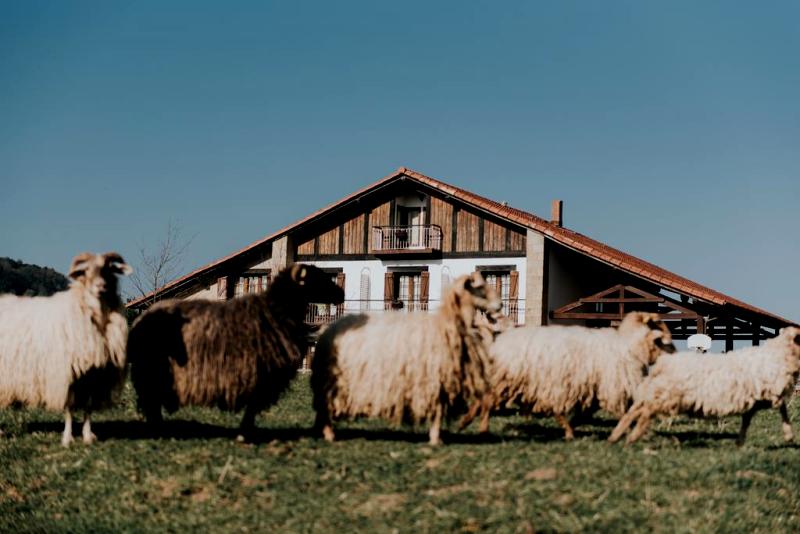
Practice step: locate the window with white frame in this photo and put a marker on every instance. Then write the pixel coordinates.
(248, 283)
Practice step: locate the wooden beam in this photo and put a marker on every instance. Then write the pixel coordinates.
(729, 335)
(454, 230)
(593, 300)
(616, 316)
(367, 232)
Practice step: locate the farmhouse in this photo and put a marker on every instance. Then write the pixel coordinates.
(395, 244)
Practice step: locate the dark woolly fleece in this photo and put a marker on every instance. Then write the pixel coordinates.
(233, 354)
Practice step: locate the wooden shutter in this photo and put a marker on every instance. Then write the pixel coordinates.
(388, 290)
(513, 296)
(340, 283)
(222, 288)
(424, 285)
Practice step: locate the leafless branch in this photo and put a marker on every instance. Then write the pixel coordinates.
(156, 268)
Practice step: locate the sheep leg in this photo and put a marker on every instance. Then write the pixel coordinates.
(436, 426)
(642, 424)
(66, 438)
(470, 415)
(623, 425)
(324, 426)
(488, 402)
(569, 434)
(86, 431)
(788, 435)
(248, 422)
(151, 409)
(746, 418)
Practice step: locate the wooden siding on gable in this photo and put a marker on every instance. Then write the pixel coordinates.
(468, 232)
(353, 242)
(379, 216)
(306, 248)
(442, 215)
(516, 241)
(473, 232)
(494, 237)
(329, 242)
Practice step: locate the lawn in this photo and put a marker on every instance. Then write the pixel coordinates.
(688, 476)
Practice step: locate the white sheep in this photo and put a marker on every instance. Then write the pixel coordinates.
(405, 366)
(558, 370)
(66, 351)
(742, 382)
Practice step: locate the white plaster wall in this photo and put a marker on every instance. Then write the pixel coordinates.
(204, 293)
(458, 266)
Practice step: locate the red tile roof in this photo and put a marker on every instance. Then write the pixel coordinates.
(564, 236)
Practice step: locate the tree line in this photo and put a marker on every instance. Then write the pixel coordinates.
(22, 278)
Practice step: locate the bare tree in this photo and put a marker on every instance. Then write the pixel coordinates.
(158, 267)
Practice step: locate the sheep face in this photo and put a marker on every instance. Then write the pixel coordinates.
(492, 324)
(792, 336)
(472, 293)
(659, 338)
(315, 284)
(98, 274)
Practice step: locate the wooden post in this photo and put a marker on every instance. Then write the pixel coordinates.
(729, 335)
(701, 325)
(756, 333)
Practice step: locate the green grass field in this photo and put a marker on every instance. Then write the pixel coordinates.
(688, 476)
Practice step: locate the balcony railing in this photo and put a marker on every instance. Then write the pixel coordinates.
(322, 314)
(410, 237)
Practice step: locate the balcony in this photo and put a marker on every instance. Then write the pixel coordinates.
(418, 239)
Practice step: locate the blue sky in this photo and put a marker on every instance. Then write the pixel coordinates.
(670, 130)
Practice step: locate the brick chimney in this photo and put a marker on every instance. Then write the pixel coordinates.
(557, 212)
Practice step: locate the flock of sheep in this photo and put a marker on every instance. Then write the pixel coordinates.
(71, 352)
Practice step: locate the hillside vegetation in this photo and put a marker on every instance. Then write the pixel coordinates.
(22, 278)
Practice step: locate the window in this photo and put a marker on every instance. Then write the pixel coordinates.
(500, 281)
(447, 278)
(251, 282)
(363, 294)
(406, 290)
(505, 281)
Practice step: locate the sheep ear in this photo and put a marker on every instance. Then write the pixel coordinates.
(79, 265)
(298, 273)
(477, 280)
(117, 264)
(652, 321)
